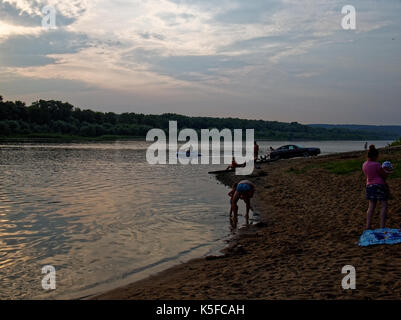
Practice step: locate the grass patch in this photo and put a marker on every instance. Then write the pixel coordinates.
(397, 169)
(355, 165)
(350, 166)
(396, 143)
(337, 167)
(302, 170)
(344, 167)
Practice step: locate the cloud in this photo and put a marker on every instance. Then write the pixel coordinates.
(29, 13)
(35, 50)
(233, 48)
(196, 68)
(14, 15)
(12, 83)
(250, 12)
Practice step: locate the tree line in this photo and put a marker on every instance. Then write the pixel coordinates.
(52, 117)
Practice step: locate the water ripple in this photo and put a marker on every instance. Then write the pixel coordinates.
(98, 213)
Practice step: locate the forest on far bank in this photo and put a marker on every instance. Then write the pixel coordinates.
(55, 118)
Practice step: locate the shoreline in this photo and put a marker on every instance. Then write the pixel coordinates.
(298, 248)
(60, 138)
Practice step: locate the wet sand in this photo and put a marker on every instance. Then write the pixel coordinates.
(311, 221)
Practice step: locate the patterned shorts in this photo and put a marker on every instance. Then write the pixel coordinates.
(376, 192)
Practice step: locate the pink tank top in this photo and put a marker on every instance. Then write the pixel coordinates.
(372, 171)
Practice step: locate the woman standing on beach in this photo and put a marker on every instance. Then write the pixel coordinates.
(255, 151)
(375, 187)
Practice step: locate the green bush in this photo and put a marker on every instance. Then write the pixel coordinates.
(396, 143)
(5, 129)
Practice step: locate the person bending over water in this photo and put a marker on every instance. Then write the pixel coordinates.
(245, 191)
(376, 189)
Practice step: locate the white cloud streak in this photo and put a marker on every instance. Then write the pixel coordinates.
(132, 43)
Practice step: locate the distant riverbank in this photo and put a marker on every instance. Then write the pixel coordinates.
(62, 138)
(65, 138)
(61, 118)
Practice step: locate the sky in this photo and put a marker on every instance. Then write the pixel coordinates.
(284, 60)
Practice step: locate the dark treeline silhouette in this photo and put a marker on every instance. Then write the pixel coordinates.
(389, 131)
(43, 118)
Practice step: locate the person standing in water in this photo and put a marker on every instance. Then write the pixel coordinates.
(245, 191)
(375, 187)
(366, 145)
(231, 195)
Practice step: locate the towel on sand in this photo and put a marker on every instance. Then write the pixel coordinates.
(380, 236)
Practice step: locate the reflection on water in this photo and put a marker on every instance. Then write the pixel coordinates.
(103, 217)
(99, 214)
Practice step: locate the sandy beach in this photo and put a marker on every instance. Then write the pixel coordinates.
(313, 212)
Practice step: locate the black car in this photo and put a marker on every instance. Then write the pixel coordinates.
(292, 151)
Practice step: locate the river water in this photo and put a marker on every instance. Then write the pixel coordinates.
(103, 217)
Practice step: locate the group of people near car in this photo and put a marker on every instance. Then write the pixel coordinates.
(377, 189)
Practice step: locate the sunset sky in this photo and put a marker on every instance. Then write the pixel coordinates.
(286, 60)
